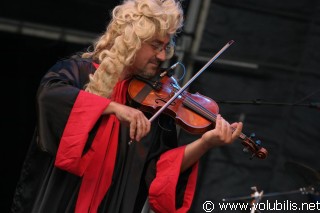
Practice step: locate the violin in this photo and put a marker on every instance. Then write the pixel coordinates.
(194, 113)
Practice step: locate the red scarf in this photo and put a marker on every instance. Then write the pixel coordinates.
(97, 165)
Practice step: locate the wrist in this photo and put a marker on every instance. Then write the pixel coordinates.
(110, 109)
(204, 144)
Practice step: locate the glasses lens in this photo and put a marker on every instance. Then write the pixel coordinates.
(169, 48)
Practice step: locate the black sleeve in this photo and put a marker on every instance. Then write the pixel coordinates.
(56, 95)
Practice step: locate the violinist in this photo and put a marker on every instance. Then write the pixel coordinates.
(79, 159)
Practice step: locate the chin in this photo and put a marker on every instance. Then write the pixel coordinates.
(149, 73)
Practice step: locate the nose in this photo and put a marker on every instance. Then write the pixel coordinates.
(161, 55)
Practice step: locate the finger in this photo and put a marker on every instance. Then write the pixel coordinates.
(143, 126)
(226, 133)
(223, 129)
(229, 133)
(237, 131)
(218, 123)
(139, 130)
(226, 125)
(148, 126)
(133, 127)
(234, 125)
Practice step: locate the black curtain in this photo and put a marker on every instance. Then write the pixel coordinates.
(270, 79)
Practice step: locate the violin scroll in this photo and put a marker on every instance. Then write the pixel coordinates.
(253, 146)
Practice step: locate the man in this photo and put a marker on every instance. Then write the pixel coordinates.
(80, 159)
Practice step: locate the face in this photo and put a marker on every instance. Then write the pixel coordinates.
(149, 57)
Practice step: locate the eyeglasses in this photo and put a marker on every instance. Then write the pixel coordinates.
(159, 47)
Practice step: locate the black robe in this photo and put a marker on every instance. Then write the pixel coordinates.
(45, 188)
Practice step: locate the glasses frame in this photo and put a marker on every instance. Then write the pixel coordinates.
(158, 47)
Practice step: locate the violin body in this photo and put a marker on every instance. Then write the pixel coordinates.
(185, 116)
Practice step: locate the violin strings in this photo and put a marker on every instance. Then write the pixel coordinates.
(199, 108)
(205, 112)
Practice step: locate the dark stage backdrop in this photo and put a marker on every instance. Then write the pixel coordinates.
(274, 60)
(277, 44)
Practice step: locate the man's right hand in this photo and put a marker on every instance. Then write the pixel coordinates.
(138, 123)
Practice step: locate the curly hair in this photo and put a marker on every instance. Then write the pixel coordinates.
(132, 23)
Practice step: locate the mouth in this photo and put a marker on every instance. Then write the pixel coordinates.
(155, 64)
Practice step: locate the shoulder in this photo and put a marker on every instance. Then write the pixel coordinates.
(74, 65)
(73, 70)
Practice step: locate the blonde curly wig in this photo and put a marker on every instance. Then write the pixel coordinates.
(133, 22)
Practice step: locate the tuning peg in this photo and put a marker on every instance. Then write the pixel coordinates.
(258, 142)
(252, 135)
(245, 149)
